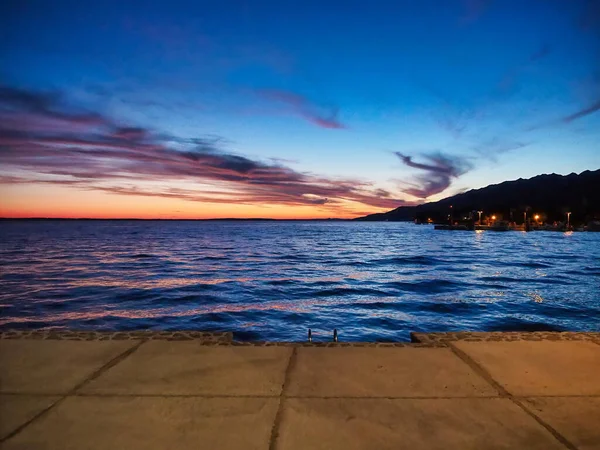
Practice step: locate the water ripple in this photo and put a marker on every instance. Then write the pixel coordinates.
(274, 280)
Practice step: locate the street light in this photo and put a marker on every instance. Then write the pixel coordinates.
(479, 216)
(568, 220)
(536, 217)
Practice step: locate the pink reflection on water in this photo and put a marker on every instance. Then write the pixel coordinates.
(153, 284)
(190, 281)
(298, 306)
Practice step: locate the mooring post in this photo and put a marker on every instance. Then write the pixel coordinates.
(309, 335)
(335, 338)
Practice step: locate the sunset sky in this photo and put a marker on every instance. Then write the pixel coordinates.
(288, 109)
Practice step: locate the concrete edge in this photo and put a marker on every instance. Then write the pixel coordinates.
(75, 335)
(503, 336)
(202, 337)
(225, 338)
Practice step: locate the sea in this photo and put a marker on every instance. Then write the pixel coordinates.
(274, 280)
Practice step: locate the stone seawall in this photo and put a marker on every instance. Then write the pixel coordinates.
(227, 338)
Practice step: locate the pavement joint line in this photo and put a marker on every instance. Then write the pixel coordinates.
(479, 370)
(70, 393)
(300, 397)
(504, 393)
(109, 365)
(33, 419)
(325, 397)
(279, 414)
(199, 396)
(563, 440)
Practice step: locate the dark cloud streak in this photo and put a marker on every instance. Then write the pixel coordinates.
(440, 169)
(591, 109)
(302, 106)
(99, 155)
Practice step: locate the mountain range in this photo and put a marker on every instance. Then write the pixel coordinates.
(550, 196)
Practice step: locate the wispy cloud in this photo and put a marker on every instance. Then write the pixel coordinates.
(40, 110)
(569, 118)
(497, 146)
(591, 109)
(509, 80)
(474, 9)
(52, 144)
(325, 117)
(440, 169)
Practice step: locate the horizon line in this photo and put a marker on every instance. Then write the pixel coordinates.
(177, 219)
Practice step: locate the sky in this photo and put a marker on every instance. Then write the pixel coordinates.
(288, 109)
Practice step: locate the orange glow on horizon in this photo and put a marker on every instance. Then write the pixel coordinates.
(27, 201)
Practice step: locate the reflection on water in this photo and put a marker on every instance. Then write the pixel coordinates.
(274, 280)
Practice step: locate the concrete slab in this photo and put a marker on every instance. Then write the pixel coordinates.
(532, 368)
(52, 366)
(15, 410)
(91, 423)
(576, 418)
(384, 372)
(464, 424)
(189, 368)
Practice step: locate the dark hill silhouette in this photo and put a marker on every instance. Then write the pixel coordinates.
(551, 195)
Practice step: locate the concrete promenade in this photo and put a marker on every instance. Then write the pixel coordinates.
(192, 390)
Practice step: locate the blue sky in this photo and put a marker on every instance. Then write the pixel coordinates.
(411, 100)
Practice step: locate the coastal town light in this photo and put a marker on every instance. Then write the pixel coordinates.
(493, 217)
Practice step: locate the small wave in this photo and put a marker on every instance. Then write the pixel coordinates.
(196, 299)
(594, 271)
(59, 257)
(554, 280)
(15, 276)
(294, 257)
(284, 282)
(450, 307)
(57, 305)
(408, 260)
(210, 258)
(514, 324)
(428, 286)
(372, 305)
(526, 264)
(340, 292)
(562, 257)
(383, 323)
(501, 279)
(140, 256)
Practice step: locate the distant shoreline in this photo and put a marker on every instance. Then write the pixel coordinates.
(34, 219)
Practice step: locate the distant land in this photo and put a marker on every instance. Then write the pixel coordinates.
(219, 219)
(550, 196)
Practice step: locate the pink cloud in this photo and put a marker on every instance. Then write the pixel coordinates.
(106, 157)
(303, 107)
